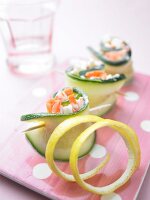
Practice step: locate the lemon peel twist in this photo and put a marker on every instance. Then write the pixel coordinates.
(58, 133)
(128, 135)
(132, 144)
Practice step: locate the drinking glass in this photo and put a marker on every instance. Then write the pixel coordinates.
(26, 27)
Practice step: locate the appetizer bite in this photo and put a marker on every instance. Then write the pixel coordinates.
(100, 86)
(65, 103)
(116, 55)
(67, 132)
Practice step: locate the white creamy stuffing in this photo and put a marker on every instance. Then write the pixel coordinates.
(72, 107)
(75, 107)
(84, 65)
(67, 109)
(112, 42)
(80, 102)
(83, 77)
(93, 78)
(80, 65)
(117, 42)
(110, 76)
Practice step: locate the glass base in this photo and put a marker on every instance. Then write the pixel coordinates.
(36, 65)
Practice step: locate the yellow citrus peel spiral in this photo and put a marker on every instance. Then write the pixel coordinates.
(59, 132)
(128, 135)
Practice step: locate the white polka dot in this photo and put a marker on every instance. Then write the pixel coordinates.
(98, 151)
(145, 125)
(39, 92)
(41, 171)
(131, 96)
(111, 196)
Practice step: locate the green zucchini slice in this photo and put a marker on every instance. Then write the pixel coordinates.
(98, 90)
(38, 139)
(38, 136)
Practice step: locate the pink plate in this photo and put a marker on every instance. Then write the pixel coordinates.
(19, 162)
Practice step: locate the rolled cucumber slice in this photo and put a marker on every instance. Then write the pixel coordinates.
(38, 136)
(37, 139)
(97, 90)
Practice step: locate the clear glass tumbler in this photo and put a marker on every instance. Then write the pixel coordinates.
(26, 27)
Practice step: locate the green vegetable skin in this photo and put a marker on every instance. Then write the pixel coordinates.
(38, 136)
(98, 92)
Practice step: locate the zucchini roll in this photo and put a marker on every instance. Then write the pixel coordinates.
(101, 87)
(116, 56)
(66, 103)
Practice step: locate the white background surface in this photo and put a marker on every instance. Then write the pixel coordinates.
(80, 23)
